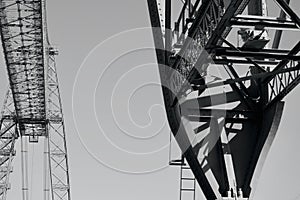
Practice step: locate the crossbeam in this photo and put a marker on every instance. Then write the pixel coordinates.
(252, 54)
(258, 22)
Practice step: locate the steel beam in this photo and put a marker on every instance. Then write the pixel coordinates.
(283, 63)
(263, 75)
(289, 87)
(217, 113)
(263, 23)
(56, 137)
(278, 33)
(257, 55)
(34, 95)
(287, 9)
(274, 51)
(8, 136)
(168, 30)
(256, 124)
(255, 7)
(173, 111)
(222, 61)
(219, 32)
(21, 28)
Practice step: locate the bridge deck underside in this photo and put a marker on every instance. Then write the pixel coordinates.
(22, 39)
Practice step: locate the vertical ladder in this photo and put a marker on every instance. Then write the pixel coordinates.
(187, 180)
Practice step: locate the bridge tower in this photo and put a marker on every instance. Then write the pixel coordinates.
(32, 111)
(224, 74)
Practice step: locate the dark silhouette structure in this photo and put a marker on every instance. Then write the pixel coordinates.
(224, 123)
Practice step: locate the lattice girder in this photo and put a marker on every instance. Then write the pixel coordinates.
(35, 104)
(8, 136)
(22, 40)
(59, 169)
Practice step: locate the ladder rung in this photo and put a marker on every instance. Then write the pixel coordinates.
(191, 179)
(187, 189)
(177, 164)
(177, 160)
(185, 168)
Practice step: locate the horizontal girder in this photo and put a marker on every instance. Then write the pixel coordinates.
(258, 22)
(252, 54)
(22, 37)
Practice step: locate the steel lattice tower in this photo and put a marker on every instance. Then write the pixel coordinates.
(32, 107)
(225, 124)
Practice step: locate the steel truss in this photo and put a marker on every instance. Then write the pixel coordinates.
(229, 144)
(32, 107)
(23, 46)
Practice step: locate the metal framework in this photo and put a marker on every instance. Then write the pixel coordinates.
(23, 46)
(32, 107)
(225, 125)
